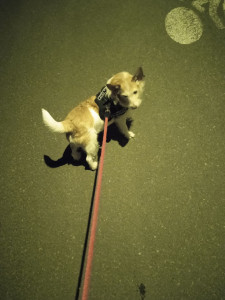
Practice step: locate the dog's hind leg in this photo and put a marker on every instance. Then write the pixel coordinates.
(92, 151)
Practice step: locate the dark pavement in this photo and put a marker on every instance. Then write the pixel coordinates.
(161, 227)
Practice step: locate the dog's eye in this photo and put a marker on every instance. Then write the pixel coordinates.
(124, 96)
(135, 92)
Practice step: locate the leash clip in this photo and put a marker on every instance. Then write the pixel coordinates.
(107, 111)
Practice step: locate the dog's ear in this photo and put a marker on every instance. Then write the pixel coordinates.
(113, 88)
(139, 75)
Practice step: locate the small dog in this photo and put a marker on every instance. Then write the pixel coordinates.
(82, 125)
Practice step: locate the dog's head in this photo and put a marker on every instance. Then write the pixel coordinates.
(126, 89)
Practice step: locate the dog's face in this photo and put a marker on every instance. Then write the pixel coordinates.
(126, 89)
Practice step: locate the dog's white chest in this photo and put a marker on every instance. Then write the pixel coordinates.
(98, 122)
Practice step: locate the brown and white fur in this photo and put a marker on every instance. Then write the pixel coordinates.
(83, 123)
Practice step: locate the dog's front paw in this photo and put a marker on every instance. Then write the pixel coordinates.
(131, 134)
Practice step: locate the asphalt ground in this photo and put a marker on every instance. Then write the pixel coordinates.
(161, 220)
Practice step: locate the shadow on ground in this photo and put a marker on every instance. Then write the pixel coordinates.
(66, 159)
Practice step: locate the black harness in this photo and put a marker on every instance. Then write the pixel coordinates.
(106, 105)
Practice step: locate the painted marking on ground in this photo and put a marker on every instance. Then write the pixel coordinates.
(184, 26)
(213, 10)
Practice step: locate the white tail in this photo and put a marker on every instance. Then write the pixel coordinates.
(51, 123)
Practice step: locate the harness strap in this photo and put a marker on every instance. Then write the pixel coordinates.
(107, 107)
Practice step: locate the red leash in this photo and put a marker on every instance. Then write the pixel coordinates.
(90, 253)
